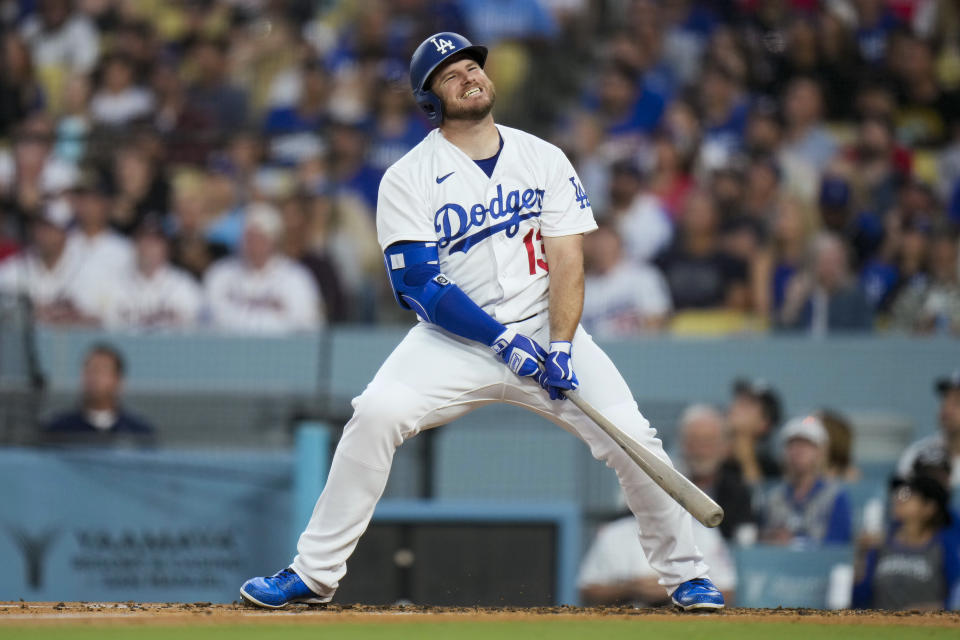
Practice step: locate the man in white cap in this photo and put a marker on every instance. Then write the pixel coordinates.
(261, 291)
(807, 507)
(48, 272)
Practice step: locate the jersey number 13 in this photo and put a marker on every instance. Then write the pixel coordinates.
(534, 250)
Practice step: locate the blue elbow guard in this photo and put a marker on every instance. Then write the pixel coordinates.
(418, 284)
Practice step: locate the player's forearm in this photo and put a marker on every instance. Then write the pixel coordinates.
(565, 257)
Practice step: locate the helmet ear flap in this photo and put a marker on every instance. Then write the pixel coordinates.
(430, 103)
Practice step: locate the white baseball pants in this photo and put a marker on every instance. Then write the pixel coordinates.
(434, 377)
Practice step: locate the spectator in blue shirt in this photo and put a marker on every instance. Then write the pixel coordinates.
(296, 130)
(100, 419)
(624, 106)
(807, 507)
(397, 124)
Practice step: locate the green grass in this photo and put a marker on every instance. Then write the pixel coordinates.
(560, 629)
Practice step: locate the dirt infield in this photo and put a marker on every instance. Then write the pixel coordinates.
(111, 613)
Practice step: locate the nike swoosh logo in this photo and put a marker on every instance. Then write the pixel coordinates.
(441, 179)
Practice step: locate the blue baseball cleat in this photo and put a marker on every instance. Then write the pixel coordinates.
(280, 589)
(698, 594)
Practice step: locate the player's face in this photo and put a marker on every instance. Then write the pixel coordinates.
(465, 90)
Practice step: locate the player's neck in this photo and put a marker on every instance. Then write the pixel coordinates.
(479, 139)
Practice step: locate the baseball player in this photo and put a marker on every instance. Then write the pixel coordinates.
(481, 227)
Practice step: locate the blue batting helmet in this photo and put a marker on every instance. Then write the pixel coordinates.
(431, 53)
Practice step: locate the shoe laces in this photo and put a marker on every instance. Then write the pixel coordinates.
(703, 582)
(284, 573)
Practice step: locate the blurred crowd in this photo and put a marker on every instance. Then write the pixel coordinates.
(755, 164)
(795, 484)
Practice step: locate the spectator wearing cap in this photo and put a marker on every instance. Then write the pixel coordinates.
(753, 414)
(948, 438)
(826, 298)
(917, 566)
(100, 418)
(704, 455)
(47, 272)
(863, 230)
(806, 507)
(621, 298)
(262, 291)
(96, 245)
(932, 304)
(151, 294)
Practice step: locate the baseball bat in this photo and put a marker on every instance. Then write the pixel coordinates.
(688, 495)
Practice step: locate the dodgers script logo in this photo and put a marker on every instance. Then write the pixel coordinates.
(452, 222)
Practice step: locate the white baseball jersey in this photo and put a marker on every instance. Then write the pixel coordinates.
(489, 230)
(169, 299)
(107, 251)
(616, 303)
(279, 298)
(68, 281)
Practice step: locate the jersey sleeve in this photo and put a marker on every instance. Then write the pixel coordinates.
(402, 213)
(566, 206)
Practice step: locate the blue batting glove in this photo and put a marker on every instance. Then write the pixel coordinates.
(521, 353)
(559, 370)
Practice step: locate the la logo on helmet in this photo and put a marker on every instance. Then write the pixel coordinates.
(442, 45)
